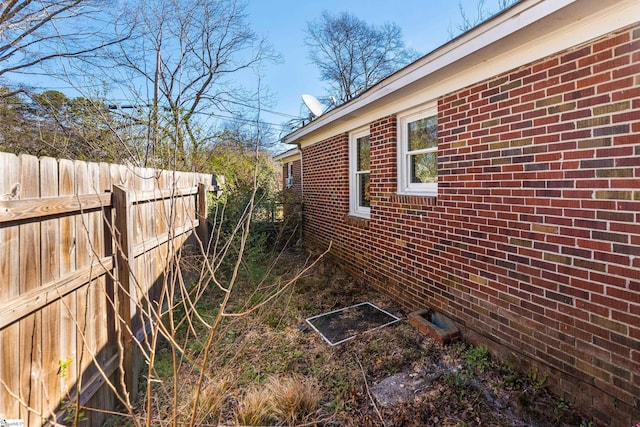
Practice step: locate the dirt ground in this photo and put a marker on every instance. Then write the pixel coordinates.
(392, 376)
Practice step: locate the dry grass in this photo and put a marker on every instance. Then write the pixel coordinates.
(295, 399)
(283, 374)
(285, 401)
(212, 399)
(255, 408)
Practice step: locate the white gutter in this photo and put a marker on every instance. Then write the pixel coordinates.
(301, 179)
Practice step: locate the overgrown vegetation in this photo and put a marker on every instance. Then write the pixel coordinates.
(169, 70)
(267, 368)
(227, 341)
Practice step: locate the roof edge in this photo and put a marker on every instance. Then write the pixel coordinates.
(499, 27)
(294, 152)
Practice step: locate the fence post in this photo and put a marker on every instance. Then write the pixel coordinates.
(122, 206)
(202, 214)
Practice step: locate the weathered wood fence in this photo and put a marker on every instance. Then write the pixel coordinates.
(84, 247)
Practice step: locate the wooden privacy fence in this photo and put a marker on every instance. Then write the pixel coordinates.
(84, 247)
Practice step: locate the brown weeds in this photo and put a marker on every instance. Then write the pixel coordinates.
(285, 401)
(281, 373)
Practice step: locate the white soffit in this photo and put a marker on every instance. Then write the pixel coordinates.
(528, 31)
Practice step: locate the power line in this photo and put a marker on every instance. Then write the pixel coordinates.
(125, 104)
(98, 85)
(264, 109)
(238, 118)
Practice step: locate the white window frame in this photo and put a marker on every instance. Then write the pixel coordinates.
(354, 207)
(405, 186)
(289, 174)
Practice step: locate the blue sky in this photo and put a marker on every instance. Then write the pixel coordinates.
(425, 25)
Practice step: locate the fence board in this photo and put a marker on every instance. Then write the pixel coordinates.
(58, 277)
(37, 299)
(34, 208)
(96, 316)
(83, 259)
(68, 334)
(31, 326)
(9, 288)
(103, 398)
(146, 262)
(107, 179)
(93, 316)
(124, 293)
(105, 248)
(202, 214)
(50, 254)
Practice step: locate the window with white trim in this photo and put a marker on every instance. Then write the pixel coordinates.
(418, 153)
(359, 181)
(289, 174)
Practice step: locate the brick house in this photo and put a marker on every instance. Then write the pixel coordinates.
(497, 180)
(291, 181)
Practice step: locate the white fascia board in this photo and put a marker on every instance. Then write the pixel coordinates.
(287, 156)
(528, 31)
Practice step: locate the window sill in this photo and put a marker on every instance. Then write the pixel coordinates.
(356, 221)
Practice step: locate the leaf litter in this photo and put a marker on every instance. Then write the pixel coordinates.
(393, 376)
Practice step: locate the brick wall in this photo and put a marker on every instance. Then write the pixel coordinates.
(533, 243)
(292, 196)
(326, 205)
(297, 176)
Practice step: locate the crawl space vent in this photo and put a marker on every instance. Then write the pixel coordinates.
(344, 324)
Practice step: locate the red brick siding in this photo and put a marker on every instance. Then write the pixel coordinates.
(297, 176)
(292, 197)
(326, 205)
(533, 243)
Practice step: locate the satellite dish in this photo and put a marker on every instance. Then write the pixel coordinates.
(312, 104)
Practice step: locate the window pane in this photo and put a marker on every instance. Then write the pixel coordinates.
(363, 153)
(424, 168)
(423, 133)
(363, 190)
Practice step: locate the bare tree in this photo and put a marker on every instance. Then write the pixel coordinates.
(33, 33)
(182, 58)
(179, 66)
(481, 14)
(352, 55)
